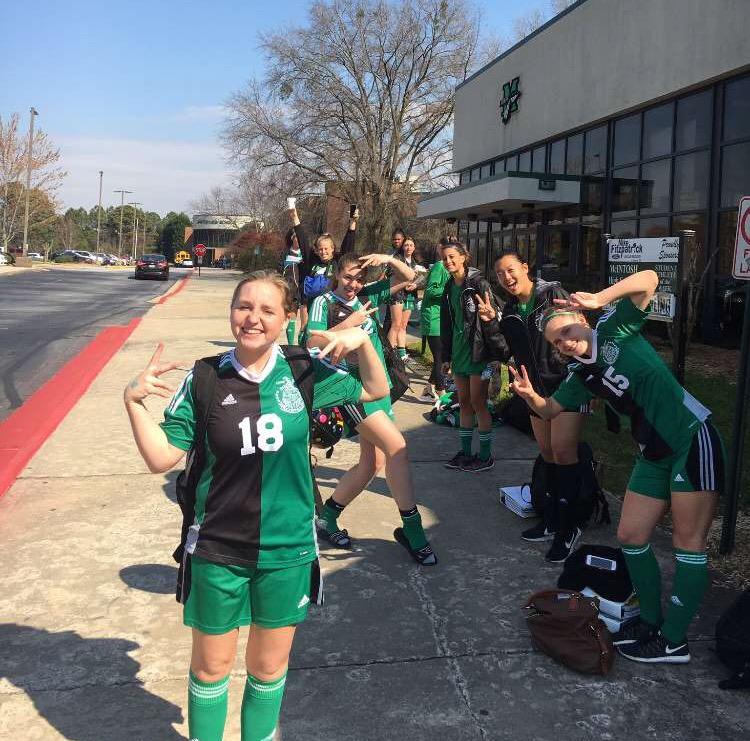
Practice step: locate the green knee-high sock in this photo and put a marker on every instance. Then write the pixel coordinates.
(485, 444)
(466, 435)
(261, 705)
(402, 352)
(412, 522)
(290, 329)
(646, 577)
(207, 708)
(330, 513)
(688, 588)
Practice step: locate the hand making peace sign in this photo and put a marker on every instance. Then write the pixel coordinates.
(148, 382)
(485, 308)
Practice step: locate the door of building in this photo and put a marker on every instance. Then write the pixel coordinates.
(557, 247)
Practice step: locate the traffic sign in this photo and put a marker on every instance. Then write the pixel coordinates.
(741, 262)
(200, 250)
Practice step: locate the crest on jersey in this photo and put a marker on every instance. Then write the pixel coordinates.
(610, 352)
(288, 397)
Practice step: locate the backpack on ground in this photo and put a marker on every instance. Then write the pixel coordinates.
(733, 642)
(515, 412)
(565, 625)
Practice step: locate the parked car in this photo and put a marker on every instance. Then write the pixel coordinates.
(35, 255)
(152, 266)
(187, 262)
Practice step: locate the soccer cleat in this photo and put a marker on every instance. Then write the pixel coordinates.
(458, 461)
(538, 533)
(633, 631)
(424, 556)
(656, 649)
(337, 538)
(477, 465)
(563, 545)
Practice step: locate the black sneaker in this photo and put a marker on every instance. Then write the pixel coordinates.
(477, 464)
(337, 538)
(424, 556)
(459, 460)
(538, 533)
(656, 649)
(633, 631)
(562, 546)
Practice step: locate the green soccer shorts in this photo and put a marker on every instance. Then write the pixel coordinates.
(223, 597)
(699, 467)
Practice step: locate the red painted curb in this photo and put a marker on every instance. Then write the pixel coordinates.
(180, 285)
(26, 430)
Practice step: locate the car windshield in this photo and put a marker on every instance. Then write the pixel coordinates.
(154, 258)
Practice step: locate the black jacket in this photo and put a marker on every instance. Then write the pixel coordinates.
(473, 284)
(524, 341)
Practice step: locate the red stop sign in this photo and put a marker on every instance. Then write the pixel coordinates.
(200, 250)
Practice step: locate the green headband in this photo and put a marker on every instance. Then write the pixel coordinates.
(557, 312)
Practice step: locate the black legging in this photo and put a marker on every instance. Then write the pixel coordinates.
(436, 348)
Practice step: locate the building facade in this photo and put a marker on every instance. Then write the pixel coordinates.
(621, 117)
(216, 232)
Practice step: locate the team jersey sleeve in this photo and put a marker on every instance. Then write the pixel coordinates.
(625, 320)
(572, 394)
(318, 315)
(376, 293)
(333, 386)
(179, 416)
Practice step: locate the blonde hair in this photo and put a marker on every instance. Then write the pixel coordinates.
(320, 238)
(268, 276)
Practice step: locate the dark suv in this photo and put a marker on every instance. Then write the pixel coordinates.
(152, 266)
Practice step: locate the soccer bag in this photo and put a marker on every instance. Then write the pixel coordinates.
(733, 642)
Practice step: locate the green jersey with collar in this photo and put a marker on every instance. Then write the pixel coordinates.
(626, 371)
(254, 499)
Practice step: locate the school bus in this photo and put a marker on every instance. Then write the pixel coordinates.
(180, 256)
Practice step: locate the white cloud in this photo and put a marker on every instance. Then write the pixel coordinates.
(163, 175)
(201, 113)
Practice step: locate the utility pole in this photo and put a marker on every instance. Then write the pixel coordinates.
(99, 212)
(122, 208)
(32, 112)
(134, 204)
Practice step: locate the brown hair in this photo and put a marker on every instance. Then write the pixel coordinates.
(460, 247)
(344, 263)
(268, 276)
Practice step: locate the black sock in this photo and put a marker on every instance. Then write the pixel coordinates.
(549, 513)
(330, 513)
(568, 479)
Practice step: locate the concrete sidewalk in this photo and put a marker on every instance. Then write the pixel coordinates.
(91, 642)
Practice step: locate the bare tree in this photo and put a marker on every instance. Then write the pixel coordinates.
(362, 95)
(46, 176)
(528, 22)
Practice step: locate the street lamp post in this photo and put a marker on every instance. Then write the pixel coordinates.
(32, 112)
(122, 208)
(99, 211)
(134, 204)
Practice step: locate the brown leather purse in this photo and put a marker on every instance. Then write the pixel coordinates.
(565, 625)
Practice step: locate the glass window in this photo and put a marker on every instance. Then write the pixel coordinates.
(627, 144)
(596, 149)
(475, 174)
(524, 162)
(463, 178)
(727, 236)
(574, 161)
(691, 176)
(511, 164)
(654, 187)
(485, 171)
(538, 160)
(657, 131)
(591, 249)
(623, 228)
(592, 196)
(555, 216)
(694, 115)
(696, 222)
(658, 227)
(737, 109)
(499, 166)
(735, 173)
(624, 191)
(557, 251)
(557, 157)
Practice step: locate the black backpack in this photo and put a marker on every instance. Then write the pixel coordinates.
(733, 642)
(205, 372)
(591, 504)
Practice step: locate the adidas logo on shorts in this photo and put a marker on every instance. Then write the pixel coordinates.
(303, 601)
(678, 477)
(229, 400)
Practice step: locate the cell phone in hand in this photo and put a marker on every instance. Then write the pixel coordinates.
(291, 203)
(352, 210)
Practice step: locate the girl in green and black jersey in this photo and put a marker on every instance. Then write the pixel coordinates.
(403, 302)
(680, 465)
(381, 444)
(250, 554)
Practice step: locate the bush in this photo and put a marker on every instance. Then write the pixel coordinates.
(64, 258)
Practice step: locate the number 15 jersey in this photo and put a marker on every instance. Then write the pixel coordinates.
(626, 371)
(254, 499)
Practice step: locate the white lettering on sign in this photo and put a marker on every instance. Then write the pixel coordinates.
(649, 249)
(741, 262)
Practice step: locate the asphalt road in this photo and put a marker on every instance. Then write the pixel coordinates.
(48, 316)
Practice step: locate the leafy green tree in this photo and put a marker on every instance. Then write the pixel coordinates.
(172, 234)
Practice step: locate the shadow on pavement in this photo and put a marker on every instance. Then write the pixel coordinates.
(85, 688)
(150, 577)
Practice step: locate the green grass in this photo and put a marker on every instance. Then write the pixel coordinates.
(617, 452)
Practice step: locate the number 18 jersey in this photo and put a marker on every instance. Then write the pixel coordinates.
(626, 371)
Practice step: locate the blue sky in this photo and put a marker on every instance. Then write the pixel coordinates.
(136, 89)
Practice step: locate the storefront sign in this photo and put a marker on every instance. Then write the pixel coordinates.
(509, 101)
(741, 269)
(661, 254)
